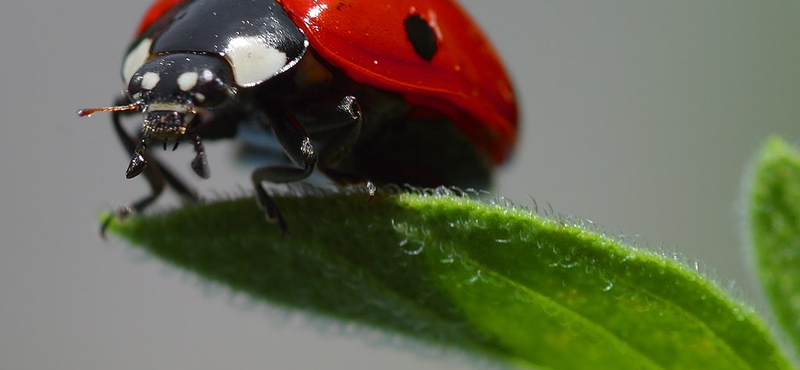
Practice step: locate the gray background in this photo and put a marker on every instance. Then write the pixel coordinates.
(639, 115)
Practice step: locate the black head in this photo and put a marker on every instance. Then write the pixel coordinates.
(171, 89)
(174, 92)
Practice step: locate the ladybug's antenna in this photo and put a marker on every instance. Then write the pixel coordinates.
(122, 108)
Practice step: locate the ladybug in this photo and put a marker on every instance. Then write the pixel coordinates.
(395, 91)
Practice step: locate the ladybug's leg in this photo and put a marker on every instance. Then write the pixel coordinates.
(340, 123)
(295, 142)
(155, 174)
(344, 137)
(343, 130)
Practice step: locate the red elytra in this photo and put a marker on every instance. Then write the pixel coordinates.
(366, 39)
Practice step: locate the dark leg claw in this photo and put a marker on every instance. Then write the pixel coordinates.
(372, 189)
(119, 214)
(268, 205)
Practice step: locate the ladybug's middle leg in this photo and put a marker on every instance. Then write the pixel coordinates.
(292, 136)
(344, 126)
(341, 123)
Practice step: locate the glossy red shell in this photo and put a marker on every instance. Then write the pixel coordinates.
(465, 80)
(367, 40)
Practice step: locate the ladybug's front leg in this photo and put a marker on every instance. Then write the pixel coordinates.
(297, 145)
(155, 174)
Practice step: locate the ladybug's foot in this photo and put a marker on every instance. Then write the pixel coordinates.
(119, 214)
(344, 179)
(372, 190)
(267, 205)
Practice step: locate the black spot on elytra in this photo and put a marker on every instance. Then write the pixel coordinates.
(421, 35)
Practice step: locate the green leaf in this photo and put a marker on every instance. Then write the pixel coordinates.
(456, 272)
(775, 227)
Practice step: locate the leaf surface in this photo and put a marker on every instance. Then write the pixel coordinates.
(457, 272)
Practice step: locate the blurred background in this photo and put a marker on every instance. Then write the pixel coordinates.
(638, 115)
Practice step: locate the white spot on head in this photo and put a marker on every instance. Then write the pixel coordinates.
(200, 97)
(135, 58)
(188, 80)
(207, 75)
(150, 80)
(253, 60)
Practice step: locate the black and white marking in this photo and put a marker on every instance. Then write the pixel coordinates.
(188, 80)
(136, 58)
(253, 60)
(150, 80)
